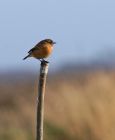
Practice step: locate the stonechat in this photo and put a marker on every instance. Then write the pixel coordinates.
(41, 50)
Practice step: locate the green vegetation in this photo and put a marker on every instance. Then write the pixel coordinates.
(53, 132)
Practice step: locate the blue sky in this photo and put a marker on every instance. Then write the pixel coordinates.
(83, 29)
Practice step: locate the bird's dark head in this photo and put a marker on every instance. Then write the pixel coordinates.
(50, 41)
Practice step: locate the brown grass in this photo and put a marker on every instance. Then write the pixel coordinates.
(78, 107)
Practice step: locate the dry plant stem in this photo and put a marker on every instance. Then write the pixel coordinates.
(40, 101)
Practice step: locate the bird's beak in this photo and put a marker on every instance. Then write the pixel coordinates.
(54, 42)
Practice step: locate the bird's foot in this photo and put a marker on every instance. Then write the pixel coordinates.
(44, 61)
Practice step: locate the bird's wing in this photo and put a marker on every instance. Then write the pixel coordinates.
(32, 49)
(37, 47)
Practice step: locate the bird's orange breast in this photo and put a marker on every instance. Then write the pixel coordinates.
(42, 52)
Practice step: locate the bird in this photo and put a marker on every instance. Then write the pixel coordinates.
(41, 50)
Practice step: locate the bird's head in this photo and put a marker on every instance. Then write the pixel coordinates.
(50, 41)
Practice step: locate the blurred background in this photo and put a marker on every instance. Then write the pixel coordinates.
(79, 100)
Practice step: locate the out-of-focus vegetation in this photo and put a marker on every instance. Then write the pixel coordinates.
(78, 106)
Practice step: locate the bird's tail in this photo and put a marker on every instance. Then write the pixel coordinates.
(26, 57)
